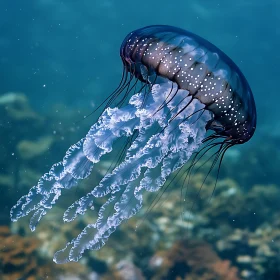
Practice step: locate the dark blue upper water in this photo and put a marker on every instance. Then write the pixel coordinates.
(65, 51)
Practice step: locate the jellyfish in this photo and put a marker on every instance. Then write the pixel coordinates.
(192, 98)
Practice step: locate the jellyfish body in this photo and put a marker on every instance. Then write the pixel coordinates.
(199, 67)
(189, 86)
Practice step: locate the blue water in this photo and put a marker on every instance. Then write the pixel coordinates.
(67, 52)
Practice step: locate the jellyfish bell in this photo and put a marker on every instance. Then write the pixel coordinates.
(188, 87)
(199, 67)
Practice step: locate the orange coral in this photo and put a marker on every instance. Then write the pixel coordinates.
(192, 260)
(225, 270)
(19, 259)
(16, 255)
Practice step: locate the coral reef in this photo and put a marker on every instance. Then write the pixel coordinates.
(191, 260)
(125, 270)
(187, 230)
(16, 255)
(19, 259)
(254, 252)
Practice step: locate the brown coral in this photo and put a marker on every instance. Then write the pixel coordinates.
(17, 255)
(191, 260)
(19, 260)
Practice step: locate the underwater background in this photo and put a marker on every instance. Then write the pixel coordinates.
(58, 60)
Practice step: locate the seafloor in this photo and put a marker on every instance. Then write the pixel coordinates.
(189, 234)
